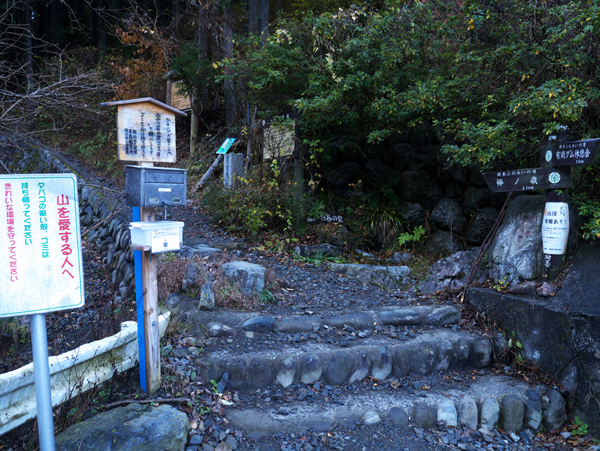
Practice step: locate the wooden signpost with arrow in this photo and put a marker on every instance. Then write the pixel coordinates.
(557, 158)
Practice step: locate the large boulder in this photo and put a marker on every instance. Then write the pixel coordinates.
(249, 276)
(131, 428)
(515, 254)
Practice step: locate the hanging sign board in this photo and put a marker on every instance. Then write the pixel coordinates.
(225, 146)
(146, 130)
(40, 244)
(570, 153)
(555, 228)
(528, 179)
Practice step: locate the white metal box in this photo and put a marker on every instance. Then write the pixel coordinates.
(161, 236)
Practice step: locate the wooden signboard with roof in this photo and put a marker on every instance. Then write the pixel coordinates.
(146, 130)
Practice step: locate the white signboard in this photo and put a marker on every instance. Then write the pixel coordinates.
(165, 240)
(146, 133)
(555, 228)
(40, 244)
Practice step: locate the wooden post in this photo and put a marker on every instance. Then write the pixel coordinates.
(150, 312)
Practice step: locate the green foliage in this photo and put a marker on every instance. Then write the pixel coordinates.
(266, 297)
(579, 428)
(589, 209)
(514, 347)
(263, 201)
(417, 235)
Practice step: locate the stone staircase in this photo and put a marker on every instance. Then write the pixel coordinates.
(393, 366)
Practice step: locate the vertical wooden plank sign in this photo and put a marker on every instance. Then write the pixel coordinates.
(146, 134)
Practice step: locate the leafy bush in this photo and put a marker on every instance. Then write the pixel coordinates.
(262, 201)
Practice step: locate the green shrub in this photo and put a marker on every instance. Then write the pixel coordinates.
(262, 201)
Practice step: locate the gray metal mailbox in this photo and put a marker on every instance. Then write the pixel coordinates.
(153, 187)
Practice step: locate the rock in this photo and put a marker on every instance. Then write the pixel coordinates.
(414, 214)
(481, 225)
(475, 199)
(389, 277)
(446, 412)
(339, 368)
(533, 411)
(547, 289)
(468, 413)
(553, 417)
(356, 320)
(425, 415)
(207, 297)
(201, 251)
(312, 369)
(134, 427)
(259, 373)
(219, 330)
(249, 276)
(398, 417)
(447, 215)
(443, 243)
(382, 365)
(191, 275)
(399, 258)
(361, 371)
(490, 412)
(515, 254)
(419, 186)
(371, 417)
(450, 273)
(512, 413)
(287, 371)
(528, 288)
(298, 324)
(258, 324)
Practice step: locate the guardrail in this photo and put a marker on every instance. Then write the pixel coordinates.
(71, 373)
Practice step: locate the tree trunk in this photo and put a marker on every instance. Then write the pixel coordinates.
(101, 28)
(202, 54)
(28, 45)
(230, 103)
(264, 20)
(253, 17)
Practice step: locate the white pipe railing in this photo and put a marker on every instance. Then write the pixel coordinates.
(71, 373)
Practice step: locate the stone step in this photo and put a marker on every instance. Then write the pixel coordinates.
(259, 362)
(471, 400)
(306, 320)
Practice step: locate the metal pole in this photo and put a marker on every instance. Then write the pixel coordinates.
(41, 372)
(139, 299)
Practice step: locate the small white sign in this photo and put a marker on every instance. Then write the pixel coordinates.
(165, 240)
(555, 228)
(40, 244)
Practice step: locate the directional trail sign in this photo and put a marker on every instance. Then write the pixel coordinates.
(570, 153)
(528, 179)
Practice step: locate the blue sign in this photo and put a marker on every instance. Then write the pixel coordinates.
(226, 145)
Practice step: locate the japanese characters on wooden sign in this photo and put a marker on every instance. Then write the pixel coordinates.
(528, 179)
(570, 153)
(40, 244)
(146, 130)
